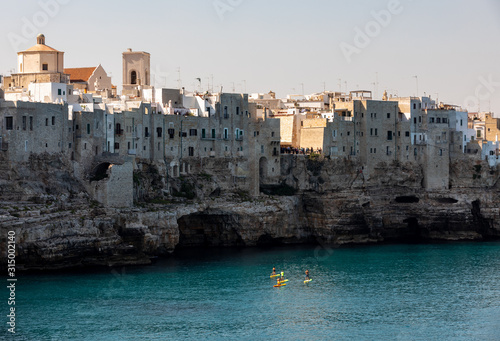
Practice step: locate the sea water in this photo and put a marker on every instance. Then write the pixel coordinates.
(389, 292)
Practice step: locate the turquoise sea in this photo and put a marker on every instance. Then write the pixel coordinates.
(388, 292)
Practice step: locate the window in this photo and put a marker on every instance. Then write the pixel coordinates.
(45, 67)
(203, 133)
(53, 120)
(376, 132)
(431, 120)
(226, 133)
(262, 149)
(159, 132)
(226, 115)
(237, 110)
(88, 128)
(191, 151)
(133, 77)
(371, 131)
(461, 123)
(272, 134)
(389, 135)
(445, 120)
(59, 92)
(414, 105)
(128, 145)
(47, 123)
(171, 133)
(438, 119)
(9, 123)
(117, 145)
(146, 132)
(193, 132)
(348, 133)
(414, 120)
(420, 119)
(440, 152)
(407, 134)
(31, 122)
(24, 122)
(388, 115)
(213, 133)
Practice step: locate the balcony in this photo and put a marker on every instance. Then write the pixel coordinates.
(119, 132)
(344, 118)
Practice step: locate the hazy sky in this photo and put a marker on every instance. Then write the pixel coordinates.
(283, 45)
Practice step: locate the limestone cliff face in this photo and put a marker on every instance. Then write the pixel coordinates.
(57, 225)
(341, 205)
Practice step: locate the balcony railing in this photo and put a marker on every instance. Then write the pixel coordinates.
(119, 132)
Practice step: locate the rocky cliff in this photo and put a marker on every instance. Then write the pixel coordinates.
(57, 225)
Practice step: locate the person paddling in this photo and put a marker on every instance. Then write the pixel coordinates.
(274, 272)
(307, 275)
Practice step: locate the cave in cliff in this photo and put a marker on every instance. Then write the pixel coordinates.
(202, 230)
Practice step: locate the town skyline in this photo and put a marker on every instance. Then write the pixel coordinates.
(359, 46)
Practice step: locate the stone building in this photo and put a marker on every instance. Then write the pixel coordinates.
(38, 64)
(136, 72)
(33, 128)
(373, 131)
(89, 79)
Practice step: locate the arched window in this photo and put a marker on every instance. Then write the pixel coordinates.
(133, 77)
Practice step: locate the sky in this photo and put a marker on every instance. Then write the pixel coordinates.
(447, 49)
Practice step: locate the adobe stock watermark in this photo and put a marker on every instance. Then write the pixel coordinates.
(372, 29)
(224, 6)
(32, 25)
(483, 92)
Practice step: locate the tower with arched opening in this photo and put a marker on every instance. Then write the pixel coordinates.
(136, 72)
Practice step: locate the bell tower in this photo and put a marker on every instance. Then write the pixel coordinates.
(136, 71)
